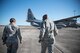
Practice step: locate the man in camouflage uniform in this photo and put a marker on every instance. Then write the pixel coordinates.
(11, 33)
(47, 32)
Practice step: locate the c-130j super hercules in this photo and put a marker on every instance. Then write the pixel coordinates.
(66, 22)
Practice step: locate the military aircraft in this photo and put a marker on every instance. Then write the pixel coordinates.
(30, 18)
(66, 22)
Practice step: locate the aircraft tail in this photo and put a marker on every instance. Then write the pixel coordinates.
(30, 16)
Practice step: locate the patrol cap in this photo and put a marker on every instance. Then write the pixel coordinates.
(44, 16)
(12, 20)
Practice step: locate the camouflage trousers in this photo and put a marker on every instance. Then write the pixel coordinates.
(46, 45)
(12, 47)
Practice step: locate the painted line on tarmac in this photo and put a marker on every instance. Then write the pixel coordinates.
(58, 49)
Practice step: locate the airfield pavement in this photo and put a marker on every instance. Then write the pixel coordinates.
(67, 40)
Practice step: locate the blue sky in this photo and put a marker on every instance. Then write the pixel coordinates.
(56, 9)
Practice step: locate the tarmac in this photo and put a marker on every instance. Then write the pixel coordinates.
(67, 40)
